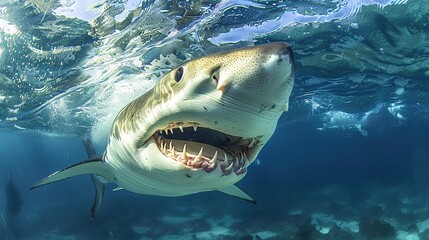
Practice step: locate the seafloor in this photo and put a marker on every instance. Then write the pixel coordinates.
(376, 210)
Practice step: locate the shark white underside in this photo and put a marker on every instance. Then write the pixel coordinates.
(198, 129)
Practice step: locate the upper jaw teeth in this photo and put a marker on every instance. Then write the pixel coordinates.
(238, 141)
(180, 125)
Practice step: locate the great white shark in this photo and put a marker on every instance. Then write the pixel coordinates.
(198, 129)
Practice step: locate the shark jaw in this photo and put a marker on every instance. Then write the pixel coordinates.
(198, 147)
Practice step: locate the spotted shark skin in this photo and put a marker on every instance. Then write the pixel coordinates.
(234, 99)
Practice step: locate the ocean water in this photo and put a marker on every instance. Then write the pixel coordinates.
(349, 160)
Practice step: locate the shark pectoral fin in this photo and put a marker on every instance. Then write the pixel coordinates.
(235, 191)
(92, 166)
(99, 194)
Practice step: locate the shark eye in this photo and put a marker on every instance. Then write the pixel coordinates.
(179, 74)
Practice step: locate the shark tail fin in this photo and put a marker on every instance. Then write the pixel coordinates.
(93, 166)
(235, 191)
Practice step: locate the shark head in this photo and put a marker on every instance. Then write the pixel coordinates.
(206, 120)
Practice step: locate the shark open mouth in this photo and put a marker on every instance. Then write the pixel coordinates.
(199, 147)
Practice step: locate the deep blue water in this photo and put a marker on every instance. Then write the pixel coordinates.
(308, 171)
(349, 160)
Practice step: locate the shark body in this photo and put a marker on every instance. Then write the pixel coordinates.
(199, 128)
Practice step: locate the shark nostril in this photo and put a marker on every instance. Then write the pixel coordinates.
(215, 77)
(215, 74)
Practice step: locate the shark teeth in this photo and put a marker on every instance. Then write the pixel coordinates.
(180, 126)
(184, 155)
(174, 152)
(242, 164)
(229, 167)
(236, 162)
(187, 154)
(169, 129)
(214, 159)
(225, 161)
(164, 148)
(231, 157)
(198, 158)
(252, 142)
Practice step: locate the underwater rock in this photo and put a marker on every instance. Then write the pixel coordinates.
(247, 237)
(371, 228)
(424, 234)
(236, 236)
(337, 233)
(297, 226)
(412, 228)
(306, 230)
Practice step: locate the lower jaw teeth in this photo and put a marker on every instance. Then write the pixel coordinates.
(229, 167)
(186, 156)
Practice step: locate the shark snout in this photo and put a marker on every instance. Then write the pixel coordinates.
(260, 76)
(279, 52)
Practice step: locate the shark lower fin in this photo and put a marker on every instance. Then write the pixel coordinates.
(235, 191)
(99, 185)
(93, 166)
(99, 195)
